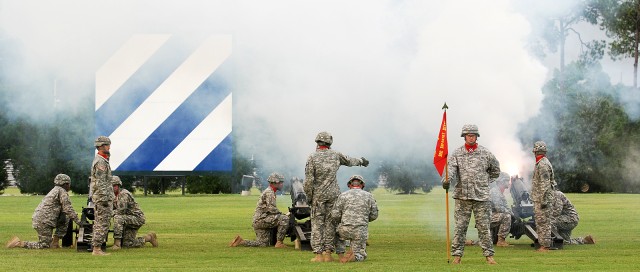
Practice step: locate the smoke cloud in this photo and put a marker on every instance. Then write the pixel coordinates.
(375, 74)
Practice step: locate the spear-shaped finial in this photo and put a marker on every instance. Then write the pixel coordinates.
(445, 107)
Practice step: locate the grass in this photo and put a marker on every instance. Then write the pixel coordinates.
(409, 235)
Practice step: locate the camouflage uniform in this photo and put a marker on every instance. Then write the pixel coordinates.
(102, 196)
(471, 172)
(127, 220)
(321, 187)
(266, 217)
(565, 218)
(543, 198)
(500, 212)
(353, 211)
(50, 214)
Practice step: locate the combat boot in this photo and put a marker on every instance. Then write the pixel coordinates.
(280, 244)
(97, 251)
(326, 256)
(55, 242)
(502, 243)
(237, 241)
(490, 260)
(152, 238)
(15, 242)
(457, 260)
(348, 257)
(589, 240)
(340, 256)
(318, 258)
(117, 244)
(542, 249)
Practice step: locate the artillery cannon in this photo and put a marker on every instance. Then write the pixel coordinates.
(299, 228)
(84, 231)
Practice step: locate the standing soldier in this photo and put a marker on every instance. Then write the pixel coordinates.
(542, 188)
(565, 218)
(472, 167)
(266, 217)
(101, 194)
(322, 190)
(353, 211)
(128, 219)
(50, 214)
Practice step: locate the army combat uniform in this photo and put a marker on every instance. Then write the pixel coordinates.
(353, 211)
(542, 188)
(54, 211)
(128, 219)
(102, 196)
(565, 218)
(266, 217)
(500, 212)
(321, 187)
(471, 171)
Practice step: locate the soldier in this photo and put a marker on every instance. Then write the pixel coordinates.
(472, 167)
(322, 190)
(500, 212)
(266, 217)
(353, 211)
(50, 214)
(101, 194)
(542, 188)
(128, 219)
(565, 219)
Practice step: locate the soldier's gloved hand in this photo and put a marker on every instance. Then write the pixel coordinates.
(445, 185)
(365, 162)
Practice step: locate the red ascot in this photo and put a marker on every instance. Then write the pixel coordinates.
(539, 157)
(323, 147)
(104, 155)
(470, 148)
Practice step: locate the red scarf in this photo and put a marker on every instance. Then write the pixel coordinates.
(323, 147)
(470, 148)
(273, 188)
(103, 155)
(539, 157)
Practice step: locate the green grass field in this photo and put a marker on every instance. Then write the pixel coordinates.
(409, 235)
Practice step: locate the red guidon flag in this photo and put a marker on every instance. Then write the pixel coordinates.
(442, 147)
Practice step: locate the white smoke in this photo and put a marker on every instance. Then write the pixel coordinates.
(373, 73)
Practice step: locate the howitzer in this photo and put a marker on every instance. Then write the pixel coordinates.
(522, 220)
(299, 228)
(84, 231)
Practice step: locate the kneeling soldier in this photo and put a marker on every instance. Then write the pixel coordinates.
(128, 219)
(267, 216)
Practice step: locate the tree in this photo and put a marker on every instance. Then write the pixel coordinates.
(620, 19)
(406, 177)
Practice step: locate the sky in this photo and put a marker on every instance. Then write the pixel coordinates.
(375, 74)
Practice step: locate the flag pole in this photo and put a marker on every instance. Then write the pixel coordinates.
(446, 178)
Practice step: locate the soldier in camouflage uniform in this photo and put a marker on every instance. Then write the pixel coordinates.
(128, 219)
(472, 167)
(266, 217)
(543, 184)
(565, 219)
(322, 190)
(352, 212)
(101, 194)
(500, 212)
(54, 211)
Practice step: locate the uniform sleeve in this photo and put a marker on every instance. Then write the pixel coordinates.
(373, 211)
(452, 164)
(309, 176)
(270, 202)
(348, 161)
(67, 208)
(494, 168)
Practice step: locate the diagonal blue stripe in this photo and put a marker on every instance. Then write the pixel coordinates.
(179, 124)
(220, 159)
(140, 85)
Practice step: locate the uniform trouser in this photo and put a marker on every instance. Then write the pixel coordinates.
(565, 225)
(263, 230)
(323, 230)
(45, 233)
(543, 224)
(357, 235)
(503, 221)
(126, 227)
(103, 213)
(482, 212)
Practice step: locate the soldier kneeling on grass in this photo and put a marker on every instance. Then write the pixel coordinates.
(266, 217)
(128, 219)
(54, 211)
(352, 213)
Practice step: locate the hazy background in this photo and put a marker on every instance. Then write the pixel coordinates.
(375, 74)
